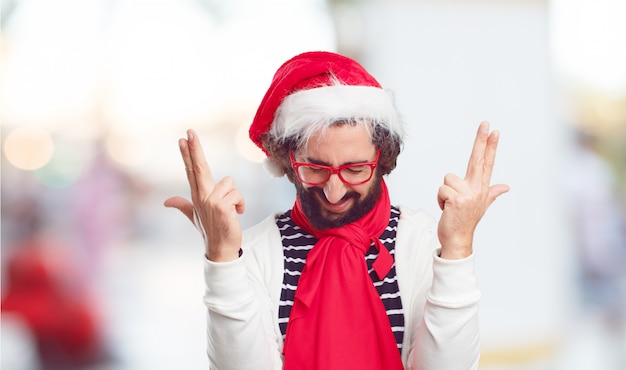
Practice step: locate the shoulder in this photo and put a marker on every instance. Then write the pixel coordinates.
(417, 234)
(264, 234)
(261, 230)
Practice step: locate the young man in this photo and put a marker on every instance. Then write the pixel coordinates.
(343, 280)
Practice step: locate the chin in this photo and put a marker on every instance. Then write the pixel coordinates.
(333, 217)
(323, 219)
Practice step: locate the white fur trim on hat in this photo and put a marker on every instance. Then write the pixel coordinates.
(305, 112)
(273, 168)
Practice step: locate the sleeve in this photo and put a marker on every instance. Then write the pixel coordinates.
(448, 334)
(238, 319)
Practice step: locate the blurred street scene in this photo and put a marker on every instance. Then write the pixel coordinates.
(97, 275)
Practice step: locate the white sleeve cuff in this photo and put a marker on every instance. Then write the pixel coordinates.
(454, 282)
(226, 282)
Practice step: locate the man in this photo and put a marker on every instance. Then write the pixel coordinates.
(343, 280)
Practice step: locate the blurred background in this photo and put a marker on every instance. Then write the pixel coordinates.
(94, 94)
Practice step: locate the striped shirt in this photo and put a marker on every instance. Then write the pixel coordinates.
(296, 245)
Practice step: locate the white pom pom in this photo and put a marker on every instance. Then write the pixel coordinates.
(273, 167)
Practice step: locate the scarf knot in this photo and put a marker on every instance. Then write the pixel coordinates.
(361, 240)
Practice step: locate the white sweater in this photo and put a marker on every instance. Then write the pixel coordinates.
(440, 301)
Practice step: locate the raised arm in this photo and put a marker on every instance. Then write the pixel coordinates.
(448, 335)
(237, 330)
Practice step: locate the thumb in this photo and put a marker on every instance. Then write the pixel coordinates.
(497, 190)
(182, 204)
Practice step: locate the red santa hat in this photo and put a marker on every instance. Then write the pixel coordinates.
(315, 89)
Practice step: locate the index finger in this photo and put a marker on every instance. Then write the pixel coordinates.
(198, 165)
(477, 158)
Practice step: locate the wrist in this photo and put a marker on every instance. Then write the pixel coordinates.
(455, 254)
(223, 255)
(456, 251)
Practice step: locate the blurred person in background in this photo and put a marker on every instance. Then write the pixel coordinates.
(343, 280)
(598, 222)
(104, 206)
(44, 294)
(52, 259)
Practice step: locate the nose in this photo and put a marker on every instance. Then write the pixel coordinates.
(334, 189)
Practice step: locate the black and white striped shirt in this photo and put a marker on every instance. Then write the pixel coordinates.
(296, 245)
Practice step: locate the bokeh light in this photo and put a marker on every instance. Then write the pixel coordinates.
(28, 148)
(588, 44)
(64, 168)
(128, 150)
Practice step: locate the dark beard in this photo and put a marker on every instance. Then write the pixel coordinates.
(314, 212)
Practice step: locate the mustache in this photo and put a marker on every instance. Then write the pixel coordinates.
(319, 191)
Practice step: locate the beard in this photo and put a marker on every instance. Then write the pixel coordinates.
(321, 219)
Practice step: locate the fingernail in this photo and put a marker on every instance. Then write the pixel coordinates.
(484, 127)
(189, 134)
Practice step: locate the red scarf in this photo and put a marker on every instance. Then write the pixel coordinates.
(338, 320)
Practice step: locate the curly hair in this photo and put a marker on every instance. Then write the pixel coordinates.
(390, 146)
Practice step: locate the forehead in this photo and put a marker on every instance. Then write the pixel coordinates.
(342, 142)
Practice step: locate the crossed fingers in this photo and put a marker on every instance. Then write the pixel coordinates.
(198, 171)
(482, 160)
(198, 176)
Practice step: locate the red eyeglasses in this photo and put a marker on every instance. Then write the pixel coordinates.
(317, 174)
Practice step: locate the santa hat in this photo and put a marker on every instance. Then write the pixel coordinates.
(315, 89)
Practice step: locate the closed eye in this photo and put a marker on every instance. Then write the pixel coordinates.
(356, 169)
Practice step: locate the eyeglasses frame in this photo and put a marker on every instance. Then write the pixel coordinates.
(334, 170)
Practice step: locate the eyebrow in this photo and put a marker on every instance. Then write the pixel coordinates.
(322, 163)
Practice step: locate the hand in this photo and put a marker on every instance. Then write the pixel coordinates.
(214, 206)
(465, 201)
